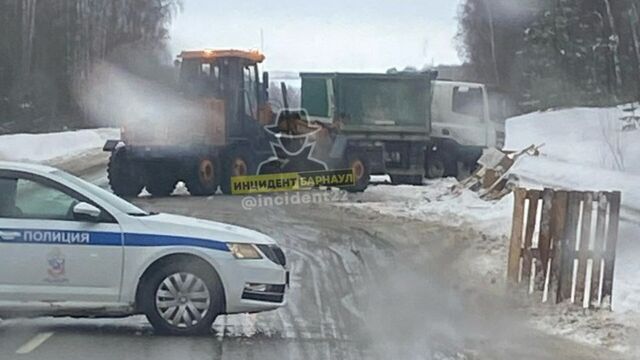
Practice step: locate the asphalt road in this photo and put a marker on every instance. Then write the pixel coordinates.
(363, 286)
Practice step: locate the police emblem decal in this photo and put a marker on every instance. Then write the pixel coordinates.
(56, 266)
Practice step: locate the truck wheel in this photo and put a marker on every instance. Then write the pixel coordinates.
(182, 298)
(439, 165)
(359, 164)
(124, 178)
(237, 162)
(202, 179)
(406, 179)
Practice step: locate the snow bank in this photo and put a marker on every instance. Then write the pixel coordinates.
(537, 172)
(436, 202)
(47, 147)
(583, 136)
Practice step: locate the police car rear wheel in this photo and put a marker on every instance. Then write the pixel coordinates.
(182, 299)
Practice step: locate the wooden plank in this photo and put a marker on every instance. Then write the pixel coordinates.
(568, 245)
(515, 248)
(612, 241)
(598, 248)
(533, 196)
(558, 219)
(544, 240)
(585, 238)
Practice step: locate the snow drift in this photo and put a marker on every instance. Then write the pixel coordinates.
(47, 147)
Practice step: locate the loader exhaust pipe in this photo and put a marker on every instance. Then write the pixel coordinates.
(285, 97)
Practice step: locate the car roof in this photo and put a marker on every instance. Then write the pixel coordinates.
(26, 167)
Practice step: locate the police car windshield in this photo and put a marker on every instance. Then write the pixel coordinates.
(104, 195)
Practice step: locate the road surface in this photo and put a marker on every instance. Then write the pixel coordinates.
(364, 286)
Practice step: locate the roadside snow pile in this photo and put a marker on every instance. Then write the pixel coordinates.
(585, 149)
(584, 136)
(437, 202)
(53, 146)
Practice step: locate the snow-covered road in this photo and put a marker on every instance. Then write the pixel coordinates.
(364, 285)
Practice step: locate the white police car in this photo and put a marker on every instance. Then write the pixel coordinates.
(70, 248)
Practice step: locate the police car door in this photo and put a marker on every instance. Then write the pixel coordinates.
(46, 252)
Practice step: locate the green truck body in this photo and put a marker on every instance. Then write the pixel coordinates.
(370, 102)
(391, 111)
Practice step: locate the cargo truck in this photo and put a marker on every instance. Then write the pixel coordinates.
(385, 113)
(431, 130)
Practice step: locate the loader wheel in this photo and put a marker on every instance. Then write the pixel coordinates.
(237, 162)
(125, 180)
(359, 164)
(202, 179)
(160, 181)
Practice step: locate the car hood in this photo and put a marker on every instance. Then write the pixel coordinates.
(184, 226)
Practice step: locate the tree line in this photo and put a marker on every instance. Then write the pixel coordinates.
(554, 53)
(48, 47)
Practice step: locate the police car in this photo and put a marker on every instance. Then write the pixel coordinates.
(70, 248)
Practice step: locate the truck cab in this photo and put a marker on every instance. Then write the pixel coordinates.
(465, 119)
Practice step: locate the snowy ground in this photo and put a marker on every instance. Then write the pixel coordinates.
(584, 150)
(54, 147)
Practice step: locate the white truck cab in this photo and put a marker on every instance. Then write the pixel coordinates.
(465, 119)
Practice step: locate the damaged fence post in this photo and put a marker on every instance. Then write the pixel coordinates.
(563, 245)
(515, 248)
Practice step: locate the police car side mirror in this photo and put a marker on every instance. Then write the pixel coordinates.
(86, 212)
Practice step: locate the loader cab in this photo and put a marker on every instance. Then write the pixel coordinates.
(228, 80)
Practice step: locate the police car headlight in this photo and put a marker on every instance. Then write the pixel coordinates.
(244, 251)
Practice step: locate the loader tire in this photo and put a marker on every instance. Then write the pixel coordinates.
(236, 162)
(202, 178)
(160, 180)
(125, 180)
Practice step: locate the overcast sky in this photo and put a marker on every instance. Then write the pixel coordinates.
(329, 35)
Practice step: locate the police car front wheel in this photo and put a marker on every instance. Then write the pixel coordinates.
(182, 298)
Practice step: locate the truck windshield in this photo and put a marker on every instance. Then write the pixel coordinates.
(96, 191)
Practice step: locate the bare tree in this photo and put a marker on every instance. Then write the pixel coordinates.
(612, 137)
(615, 40)
(492, 35)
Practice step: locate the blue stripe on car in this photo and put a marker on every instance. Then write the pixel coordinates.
(89, 238)
(164, 240)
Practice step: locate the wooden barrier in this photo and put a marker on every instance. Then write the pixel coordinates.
(563, 245)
